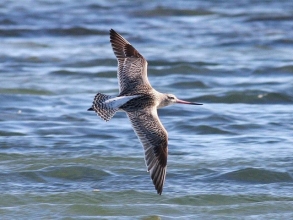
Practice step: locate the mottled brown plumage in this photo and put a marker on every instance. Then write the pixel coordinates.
(140, 102)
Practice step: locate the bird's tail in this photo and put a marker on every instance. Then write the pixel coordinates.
(104, 109)
(106, 106)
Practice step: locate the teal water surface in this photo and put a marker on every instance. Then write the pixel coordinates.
(231, 158)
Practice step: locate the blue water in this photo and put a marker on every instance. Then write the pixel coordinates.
(231, 158)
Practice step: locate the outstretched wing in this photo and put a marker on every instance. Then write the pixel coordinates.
(154, 139)
(132, 66)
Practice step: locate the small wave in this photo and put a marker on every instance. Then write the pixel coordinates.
(107, 74)
(173, 64)
(7, 21)
(201, 129)
(285, 70)
(205, 129)
(283, 41)
(73, 173)
(161, 11)
(71, 31)
(249, 97)
(32, 176)
(189, 84)
(217, 118)
(91, 63)
(62, 72)
(255, 175)
(180, 68)
(76, 31)
(11, 133)
(270, 18)
(25, 91)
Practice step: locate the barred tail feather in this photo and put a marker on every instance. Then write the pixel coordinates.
(105, 110)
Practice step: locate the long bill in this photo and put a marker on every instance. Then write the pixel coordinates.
(188, 103)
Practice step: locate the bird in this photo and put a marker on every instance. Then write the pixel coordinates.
(140, 101)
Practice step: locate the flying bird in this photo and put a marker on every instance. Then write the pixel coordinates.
(140, 101)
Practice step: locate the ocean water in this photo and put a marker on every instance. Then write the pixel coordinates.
(231, 158)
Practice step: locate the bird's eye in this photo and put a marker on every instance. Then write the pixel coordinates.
(171, 97)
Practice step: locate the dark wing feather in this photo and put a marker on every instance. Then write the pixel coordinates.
(154, 139)
(132, 66)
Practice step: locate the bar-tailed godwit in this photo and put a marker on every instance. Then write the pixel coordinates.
(140, 101)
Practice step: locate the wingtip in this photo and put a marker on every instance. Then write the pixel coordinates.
(159, 189)
(112, 32)
(158, 178)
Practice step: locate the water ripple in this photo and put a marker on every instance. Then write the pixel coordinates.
(254, 175)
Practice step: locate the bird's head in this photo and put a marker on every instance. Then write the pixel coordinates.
(170, 99)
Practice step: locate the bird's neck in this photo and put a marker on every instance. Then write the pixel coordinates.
(161, 100)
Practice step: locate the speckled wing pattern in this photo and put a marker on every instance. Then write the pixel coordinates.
(132, 67)
(154, 139)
